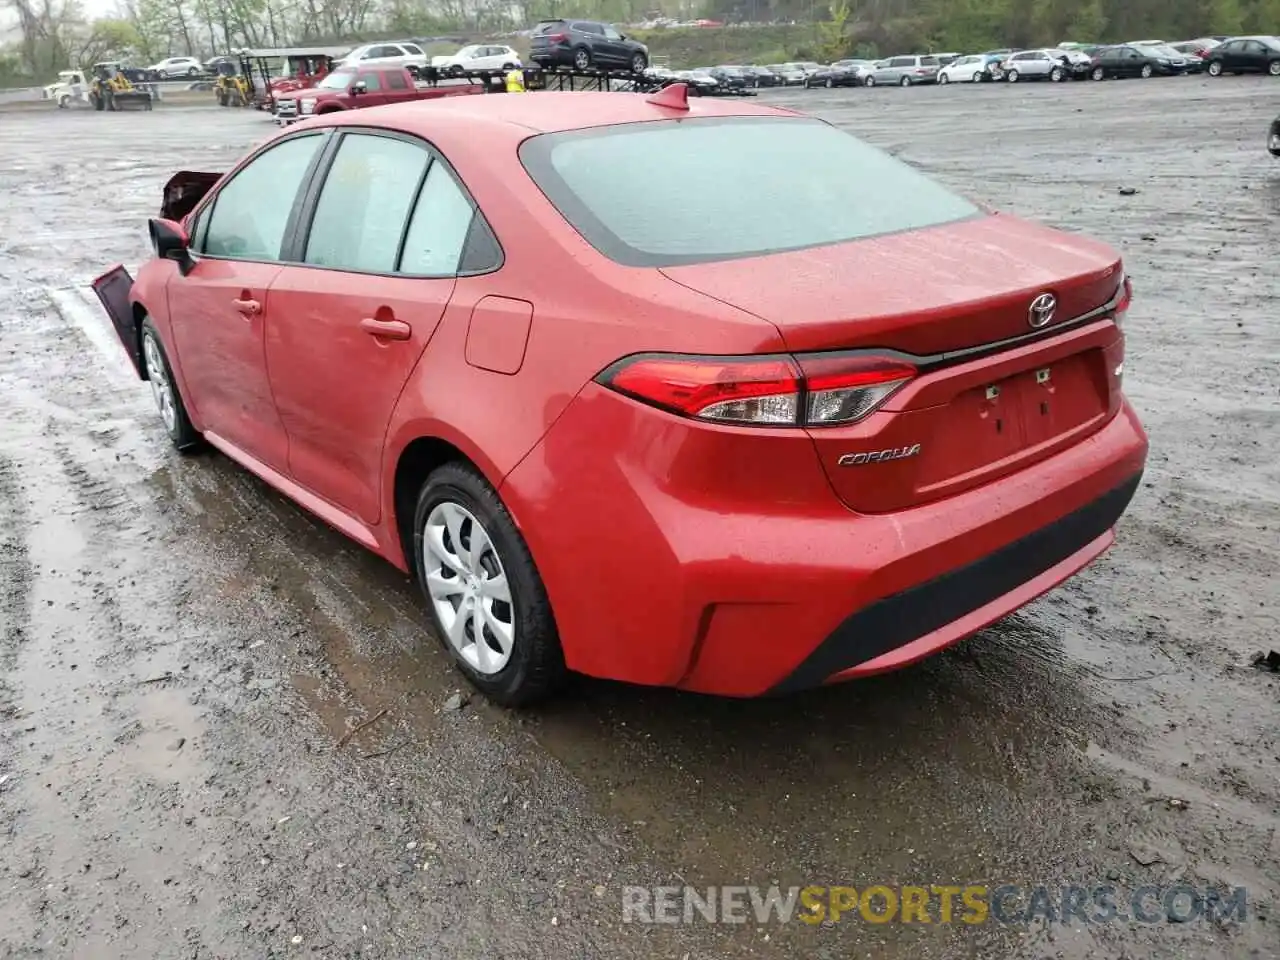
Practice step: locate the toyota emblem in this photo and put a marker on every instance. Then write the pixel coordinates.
(1040, 313)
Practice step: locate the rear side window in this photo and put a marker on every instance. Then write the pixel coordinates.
(438, 230)
(707, 205)
(396, 81)
(364, 204)
(250, 214)
(412, 48)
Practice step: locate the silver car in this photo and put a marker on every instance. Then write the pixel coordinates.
(904, 71)
(1035, 65)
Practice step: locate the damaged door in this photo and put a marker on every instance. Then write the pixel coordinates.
(112, 290)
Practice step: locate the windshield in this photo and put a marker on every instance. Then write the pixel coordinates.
(601, 180)
(1161, 50)
(338, 80)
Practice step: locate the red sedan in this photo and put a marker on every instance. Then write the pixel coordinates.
(690, 393)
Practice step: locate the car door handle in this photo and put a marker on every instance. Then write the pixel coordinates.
(386, 329)
(247, 307)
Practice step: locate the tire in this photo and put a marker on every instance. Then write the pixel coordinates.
(639, 63)
(1273, 68)
(63, 102)
(193, 72)
(829, 83)
(164, 391)
(97, 102)
(1146, 71)
(1215, 68)
(455, 499)
(1273, 138)
(869, 82)
(582, 59)
(943, 78)
(1098, 74)
(904, 82)
(509, 66)
(1055, 75)
(978, 76)
(1012, 76)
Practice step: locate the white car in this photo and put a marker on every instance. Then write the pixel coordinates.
(398, 54)
(1035, 65)
(178, 67)
(478, 56)
(970, 69)
(70, 86)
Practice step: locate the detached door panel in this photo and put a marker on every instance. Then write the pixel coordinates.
(352, 320)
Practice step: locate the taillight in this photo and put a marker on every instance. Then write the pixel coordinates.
(808, 390)
(557, 37)
(1125, 298)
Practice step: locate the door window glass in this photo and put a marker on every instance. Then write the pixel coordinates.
(251, 212)
(370, 81)
(438, 230)
(364, 203)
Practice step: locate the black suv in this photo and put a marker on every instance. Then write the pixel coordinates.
(585, 45)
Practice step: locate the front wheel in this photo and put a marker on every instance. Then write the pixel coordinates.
(943, 78)
(978, 76)
(869, 82)
(1214, 68)
(1273, 68)
(829, 83)
(639, 63)
(1273, 138)
(1056, 75)
(1012, 76)
(905, 82)
(193, 72)
(1098, 74)
(164, 391)
(1146, 71)
(487, 601)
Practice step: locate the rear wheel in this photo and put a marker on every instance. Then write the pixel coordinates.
(582, 58)
(1056, 74)
(978, 76)
(904, 82)
(164, 391)
(1215, 68)
(486, 598)
(193, 72)
(943, 78)
(869, 82)
(829, 83)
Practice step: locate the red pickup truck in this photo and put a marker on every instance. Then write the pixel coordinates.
(350, 88)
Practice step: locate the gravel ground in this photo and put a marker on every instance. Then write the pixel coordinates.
(184, 656)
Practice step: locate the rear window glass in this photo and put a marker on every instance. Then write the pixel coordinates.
(679, 191)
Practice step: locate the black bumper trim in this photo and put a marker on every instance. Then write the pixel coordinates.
(897, 620)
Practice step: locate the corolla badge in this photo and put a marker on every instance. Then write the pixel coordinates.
(879, 456)
(1040, 313)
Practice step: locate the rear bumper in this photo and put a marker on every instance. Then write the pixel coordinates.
(675, 555)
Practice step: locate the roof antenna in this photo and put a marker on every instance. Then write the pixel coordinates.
(674, 96)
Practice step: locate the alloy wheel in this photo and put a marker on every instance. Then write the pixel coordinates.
(1273, 68)
(161, 388)
(1146, 70)
(468, 587)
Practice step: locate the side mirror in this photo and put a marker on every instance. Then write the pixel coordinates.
(359, 87)
(170, 242)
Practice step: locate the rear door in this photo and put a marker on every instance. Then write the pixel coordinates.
(375, 268)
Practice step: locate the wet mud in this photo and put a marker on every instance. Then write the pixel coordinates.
(225, 731)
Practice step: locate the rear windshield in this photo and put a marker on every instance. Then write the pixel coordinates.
(692, 191)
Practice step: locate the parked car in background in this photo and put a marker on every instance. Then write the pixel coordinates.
(968, 69)
(730, 76)
(478, 56)
(586, 45)
(809, 67)
(1182, 62)
(791, 73)
(178, 67)
(1126, 60)
(1273, 138)
(946, 58)
(905, 71)
(1245, 55)
(762, 77)
(357, 87)
(401, 54)
(843, 74)
(1198, 48)
(701, 83)
(1035, 65)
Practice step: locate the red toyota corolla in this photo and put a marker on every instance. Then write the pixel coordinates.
(701, 394)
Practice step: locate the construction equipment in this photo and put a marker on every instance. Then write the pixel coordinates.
(111, 89)
(231, 85)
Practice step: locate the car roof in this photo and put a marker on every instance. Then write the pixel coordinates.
(543, 112)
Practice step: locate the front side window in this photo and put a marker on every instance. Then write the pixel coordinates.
(602, 182)
(611, 34)
(251, 213)
(338, 80)
(364, 203)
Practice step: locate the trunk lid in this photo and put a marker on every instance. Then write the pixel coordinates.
(961, 422)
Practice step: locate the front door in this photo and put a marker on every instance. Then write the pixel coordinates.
(351, 322)
(219, 310)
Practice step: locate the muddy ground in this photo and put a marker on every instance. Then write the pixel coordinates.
(184, 655)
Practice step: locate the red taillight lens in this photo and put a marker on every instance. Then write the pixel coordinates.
(557, 37)
(845, 389)
(810, 390)
(1124, 298)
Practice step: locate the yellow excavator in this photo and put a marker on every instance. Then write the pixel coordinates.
(232, 87)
